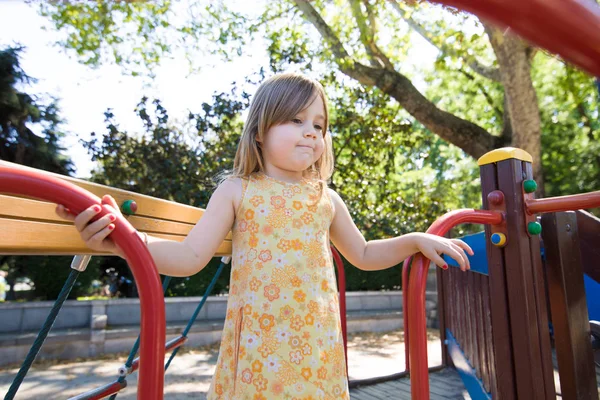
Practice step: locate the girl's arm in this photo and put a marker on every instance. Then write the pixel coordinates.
(190, 256)
(171, 258)
(380, 254)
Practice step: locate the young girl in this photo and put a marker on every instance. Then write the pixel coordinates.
(282, 335)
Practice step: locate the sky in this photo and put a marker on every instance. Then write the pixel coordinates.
(84, 94)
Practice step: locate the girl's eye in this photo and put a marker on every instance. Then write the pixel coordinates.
(318, 127)
(297, 121)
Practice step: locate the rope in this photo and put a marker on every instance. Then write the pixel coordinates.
(136, 345)
(41, 337)
(193, 318)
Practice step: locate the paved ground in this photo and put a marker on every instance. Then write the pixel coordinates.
(189, 375)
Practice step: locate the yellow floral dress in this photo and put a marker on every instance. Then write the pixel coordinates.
(282, 337)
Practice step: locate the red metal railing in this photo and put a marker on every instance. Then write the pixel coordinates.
(38, 185)
(416, 355)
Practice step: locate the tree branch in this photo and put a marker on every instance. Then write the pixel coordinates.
(367, 35)
(483, 70)
(471, 138)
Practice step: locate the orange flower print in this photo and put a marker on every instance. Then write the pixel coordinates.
(284, 245)
(306, 373)
(266, 322)
(306, 349)
(297, 205)
(277, 218)
(219, 389)
(309, 319)
(296, 357)
(255, 284)
(258, 396)
(260, 383)
(296, 323)
(295, 342)
(296, 223)
(267, 230)
(325, 356)
(296, 189)
(257, 366)
(312, 208)
(299, 296)
(249, 214)
(272, 292)
(257, 200)
(313, 306)
(322, 373)
(278, 201)
(288, 193)
(277, 388)
(296, 282)
(307, 218)
(296, 244)
(243, 225)
(265, 255)
(248, 309)
(252, 227)
(286, 312)
(253, 241)
(247, 376)
(324, 285)
(338, 391)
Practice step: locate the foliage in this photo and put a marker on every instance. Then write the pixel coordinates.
(30, 134)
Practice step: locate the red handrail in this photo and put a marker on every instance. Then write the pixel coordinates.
(580, 201)
(417, 324)
(570, 28)
(36, 184)
(342, 289)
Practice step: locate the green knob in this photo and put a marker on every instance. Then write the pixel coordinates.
(534, 228)
(129, 207)
(529, 186)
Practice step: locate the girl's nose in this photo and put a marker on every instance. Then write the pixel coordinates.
(310, 132)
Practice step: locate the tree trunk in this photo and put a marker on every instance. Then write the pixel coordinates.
(515, 71)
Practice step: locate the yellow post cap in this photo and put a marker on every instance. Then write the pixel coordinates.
(504, 153)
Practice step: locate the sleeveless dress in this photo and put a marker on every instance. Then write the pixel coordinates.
(282, 337)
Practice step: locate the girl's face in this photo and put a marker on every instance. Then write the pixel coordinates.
(293, 146)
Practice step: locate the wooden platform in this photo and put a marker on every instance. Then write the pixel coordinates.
(444, 384)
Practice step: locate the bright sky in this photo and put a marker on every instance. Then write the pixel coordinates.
(84, 94)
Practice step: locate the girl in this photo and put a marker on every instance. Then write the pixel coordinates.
(282, 335)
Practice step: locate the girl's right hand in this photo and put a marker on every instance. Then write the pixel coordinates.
(95, 234)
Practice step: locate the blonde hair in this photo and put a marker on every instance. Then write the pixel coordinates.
(278, 100)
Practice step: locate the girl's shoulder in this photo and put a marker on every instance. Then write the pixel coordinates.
(232, 188)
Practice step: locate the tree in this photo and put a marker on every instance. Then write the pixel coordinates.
(21, 116)
(360, 39)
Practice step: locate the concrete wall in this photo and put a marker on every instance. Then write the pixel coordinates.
(91, 328)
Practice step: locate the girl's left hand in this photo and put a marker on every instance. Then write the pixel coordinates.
(433, 246)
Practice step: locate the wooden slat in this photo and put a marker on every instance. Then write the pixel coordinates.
(41, 238)
(147, 206)
(588, 227)
(569, 309)
(501, 366)
(541, 305)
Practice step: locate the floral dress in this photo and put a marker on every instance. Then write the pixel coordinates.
(282, 337)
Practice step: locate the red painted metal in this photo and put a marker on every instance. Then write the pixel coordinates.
(563, 203)
(173, 344)
(570, 28)
(417, 327)
(405, 305)
(38, 185)
(342, 289)
(101, 392)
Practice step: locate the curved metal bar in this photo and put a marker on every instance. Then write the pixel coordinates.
(570, 28)
(342, 289)
(417, 325)
(39, 185)
(580, 201)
